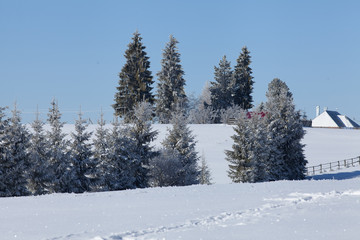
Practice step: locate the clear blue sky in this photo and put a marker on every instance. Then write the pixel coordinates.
(73, 50)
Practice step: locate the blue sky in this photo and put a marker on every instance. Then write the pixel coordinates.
(73, 50)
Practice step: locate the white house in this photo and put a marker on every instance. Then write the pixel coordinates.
(333, 119)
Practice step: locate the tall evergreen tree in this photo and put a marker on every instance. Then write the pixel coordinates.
(287, 132)
(242, 84)
(221, 88)
(171, 84)
(81, 155)
(141, 135)
(4, 123)
(205, 174)
(39, 175)
(14, 163)
(58, 153)
(135, 80)
(180, 138)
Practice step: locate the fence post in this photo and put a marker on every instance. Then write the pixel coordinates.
(320, 168)
(359, 160)
(330, 167)
(352, 162)
(345, 163)
(313, 170)
(338, 164)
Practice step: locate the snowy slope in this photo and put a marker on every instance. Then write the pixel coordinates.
(309, 209)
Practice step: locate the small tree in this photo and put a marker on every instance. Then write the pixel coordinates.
(140, 151)
(58, 154)
(180, 139)
(165, 168)
(14, 163)
(39, 175)
(81, 155)
(205, 174)
(101, 151)
(117, 168)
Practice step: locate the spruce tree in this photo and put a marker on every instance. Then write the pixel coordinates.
(39, 175)
(82, 164)
(117, 167)
(205, 174)
(221, 88)
(287, 132)
(180, 138)
(101, 150)
(171, 84)
(242, 83)
(141, 135)
(58, 153)
(135, 80)
(240, 162)
(14, 163)
(4, 124)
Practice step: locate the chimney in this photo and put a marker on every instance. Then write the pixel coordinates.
(317, 111)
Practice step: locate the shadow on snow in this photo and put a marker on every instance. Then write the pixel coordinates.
(335, 176)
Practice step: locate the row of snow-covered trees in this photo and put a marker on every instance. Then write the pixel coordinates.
(231, 89)
(267, 141)
(44, 160)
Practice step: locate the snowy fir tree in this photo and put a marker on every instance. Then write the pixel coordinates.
(165, 169)
(58, 153)
(14, 158)
(171, 84)
(116, 168)
(205, 174)
(287, 130)
(135, 80)
(4, 122)
(39, 175)
(240, 162)
(221, 88)
(180, 138)
(101, 148)
(81, 157)
(242, 83)
(141, 135)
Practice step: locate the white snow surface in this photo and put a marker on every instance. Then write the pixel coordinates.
(308, 209)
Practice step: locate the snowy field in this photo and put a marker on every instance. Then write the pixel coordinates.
(309, 209)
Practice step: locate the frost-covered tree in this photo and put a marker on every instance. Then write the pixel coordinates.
(39, 175)
(221, 88)
(117, 166)
(81, 157)
(58, 153)
(135, 80)
(14, 158)
(165, 169)
(206, 115)
(205, 97)
(141, 135)
(180, 138)
(242, 83)
(286, 130)
(240, 162)
(248, 159)
(101, 149)
(171, 84)
(205, 174)
(232, 112)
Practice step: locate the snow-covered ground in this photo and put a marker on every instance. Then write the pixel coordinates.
(309, 209)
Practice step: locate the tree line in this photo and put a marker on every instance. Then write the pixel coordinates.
(44, 160)
(231, 89)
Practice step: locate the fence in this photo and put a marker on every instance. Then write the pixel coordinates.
(333, 166)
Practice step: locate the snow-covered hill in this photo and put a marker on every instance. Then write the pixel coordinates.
(309, 209)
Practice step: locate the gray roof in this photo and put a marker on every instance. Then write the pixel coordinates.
(335, 116)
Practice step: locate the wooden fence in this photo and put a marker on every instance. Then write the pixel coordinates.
(333, 166)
